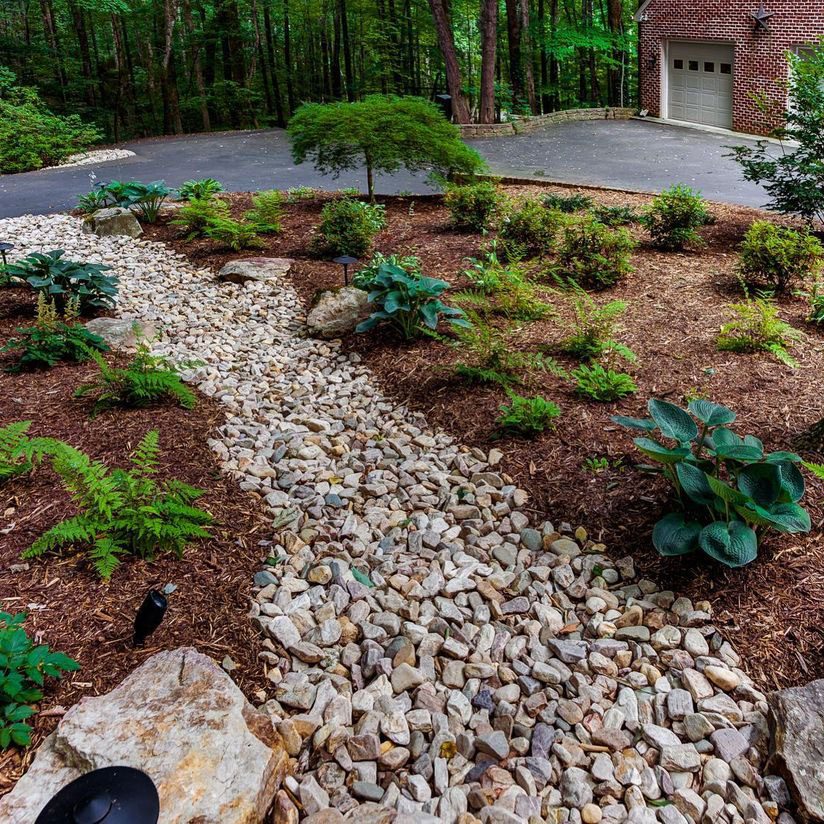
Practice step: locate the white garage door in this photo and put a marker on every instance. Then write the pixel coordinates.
(700, 83)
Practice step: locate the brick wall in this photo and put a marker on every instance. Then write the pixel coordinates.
(760, 62)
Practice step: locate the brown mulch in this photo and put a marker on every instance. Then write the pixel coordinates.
(773, 609)
(69, 607)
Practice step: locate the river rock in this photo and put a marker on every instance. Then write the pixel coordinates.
(112, 221)
(254, 268)
(337, 312)
(122, 333)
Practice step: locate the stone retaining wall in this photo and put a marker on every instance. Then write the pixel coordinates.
(524, 125)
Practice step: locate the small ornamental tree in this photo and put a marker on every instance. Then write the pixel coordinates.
(384, 134)
(794, 177)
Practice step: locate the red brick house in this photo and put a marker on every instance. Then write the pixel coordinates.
(705, 61)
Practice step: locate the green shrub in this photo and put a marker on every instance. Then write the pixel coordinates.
(66, 281)
(529, 230)
(147, 379)
(527, 417)
(816, 299)
(266, 213)
(202, 189)
(616, 215)
(674, 217)
(24, 668)
(298, 193)
(198, 215)
(365, 276)
(122, 511)
(729, 489)
(597, 383)
(473, 207)
(593, 255)
(52, 339)
(232, 234)
(408, 302)
(775, 257)
(756, 327)
(14, 441)
(348, 227)
(594, 329)
(568, 204)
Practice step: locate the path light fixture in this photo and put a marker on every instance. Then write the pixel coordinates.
(149, 616)
(111, 795)
(5, 247)
(346, 261)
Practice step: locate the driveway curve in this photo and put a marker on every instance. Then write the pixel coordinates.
(622, 154)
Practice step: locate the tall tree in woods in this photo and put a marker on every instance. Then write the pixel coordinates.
(489, 42)
(446, 41)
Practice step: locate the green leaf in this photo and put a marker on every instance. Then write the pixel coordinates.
(673, 421)
(761, 482)
(659, 452)
(792, 482)
(726, 492)
(739, 452)
(694, 482)
(712, 414)
(733, 544)
(675, 535)
(644, 424)
(725, 437)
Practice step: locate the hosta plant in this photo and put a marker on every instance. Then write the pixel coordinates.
(527, 417)
(365, 276)
(24, 667)
(409, 302)
(730, 491)
(202, 189)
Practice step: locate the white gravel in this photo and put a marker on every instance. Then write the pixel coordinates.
(95, 156)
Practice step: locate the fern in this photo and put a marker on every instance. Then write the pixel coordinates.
(13, 457)
(757, 327)
(593, 328)
(266, 213)
(122, 511)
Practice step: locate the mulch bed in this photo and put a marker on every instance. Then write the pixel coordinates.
(773, 609)
(69, 607)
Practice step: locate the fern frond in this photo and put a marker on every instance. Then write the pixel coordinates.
(145, 455)
(103, 553)
(80, 529)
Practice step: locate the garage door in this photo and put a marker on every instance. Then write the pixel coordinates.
(700, 83)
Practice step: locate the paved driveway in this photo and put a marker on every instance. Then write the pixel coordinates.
(624, 154)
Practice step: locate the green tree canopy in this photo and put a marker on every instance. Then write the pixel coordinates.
(384, 134)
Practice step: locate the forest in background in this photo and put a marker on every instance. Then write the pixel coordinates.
(145, 67)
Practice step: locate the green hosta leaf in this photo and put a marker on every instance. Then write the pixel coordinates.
(733, 544)
(659, 452)
(712, 414)
(761, 482)
(644, 424)
(739, 452)
(725, 492)
(789, 518)
(694, 482)
(675, 535)
(792, 482)
(726, 437)
(781, 457)
(672, 421)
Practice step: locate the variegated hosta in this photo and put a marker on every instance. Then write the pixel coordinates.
(730, 490)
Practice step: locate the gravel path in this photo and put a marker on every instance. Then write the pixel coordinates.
(434, 654)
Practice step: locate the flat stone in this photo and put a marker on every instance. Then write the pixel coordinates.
(122, 334)
(113, 220)
(494, 744)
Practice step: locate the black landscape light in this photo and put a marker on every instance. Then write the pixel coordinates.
(149, 616)
(445, 102)
(346, 261)
(111, 795)
(5, 247)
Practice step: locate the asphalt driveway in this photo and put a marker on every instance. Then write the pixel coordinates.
(623, 154)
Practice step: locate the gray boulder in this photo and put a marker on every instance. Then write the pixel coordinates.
(112, 221)
(254, 268)
(797, 745)
(179, 718)
(121, 333)
(337, 312)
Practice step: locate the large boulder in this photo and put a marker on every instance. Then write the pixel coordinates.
(254, 268)
(121, 333)
(112, 221)
(214, 758)
(337, 312)
(797, 745)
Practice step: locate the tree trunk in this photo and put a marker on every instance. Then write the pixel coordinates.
(489, 42)
(446, 41)
(516, 64)
(273, 66)
(347, 52)
(615, 71)
(197, 70)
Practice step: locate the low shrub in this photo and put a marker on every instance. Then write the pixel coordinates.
(145, 380)
(674, 217)
(408, 302)
(198, 215)
(24, 667)
(729, 489)
(594, 329)
(756, 327)
(598, 383)
(473, 207)
(202, 189)
(122, 511)
(593, 255)
(527, 417)
(348, 227)
(365, 276)
(232, 234)
(616, 215)
(266, 213)
(528, 230)
(53, 338)
(65, 281)
(776, 257)
(568, 204)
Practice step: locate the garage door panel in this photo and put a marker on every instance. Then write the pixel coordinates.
(700, 84)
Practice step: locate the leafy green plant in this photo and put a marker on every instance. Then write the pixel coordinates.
(145, 380)
(92, 201)
(616, 215)
(756, 327)
(298, 193)
(674, 217)
(198, 215)
(147, 198)
(776, 257)
(527, 417)
(202, 189)
(598, 383)
(349, 226)
(729, 490)
(365, 276)
(66, 281)
(593, 255)
(266, 213)
(14, 459)
(529, 229)
(52, 339)
(408, 302)
(816, 299)
(568, 204)
(594, 329)
(232, 234)
(122, 511)
(24, 667)
(472, 207)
